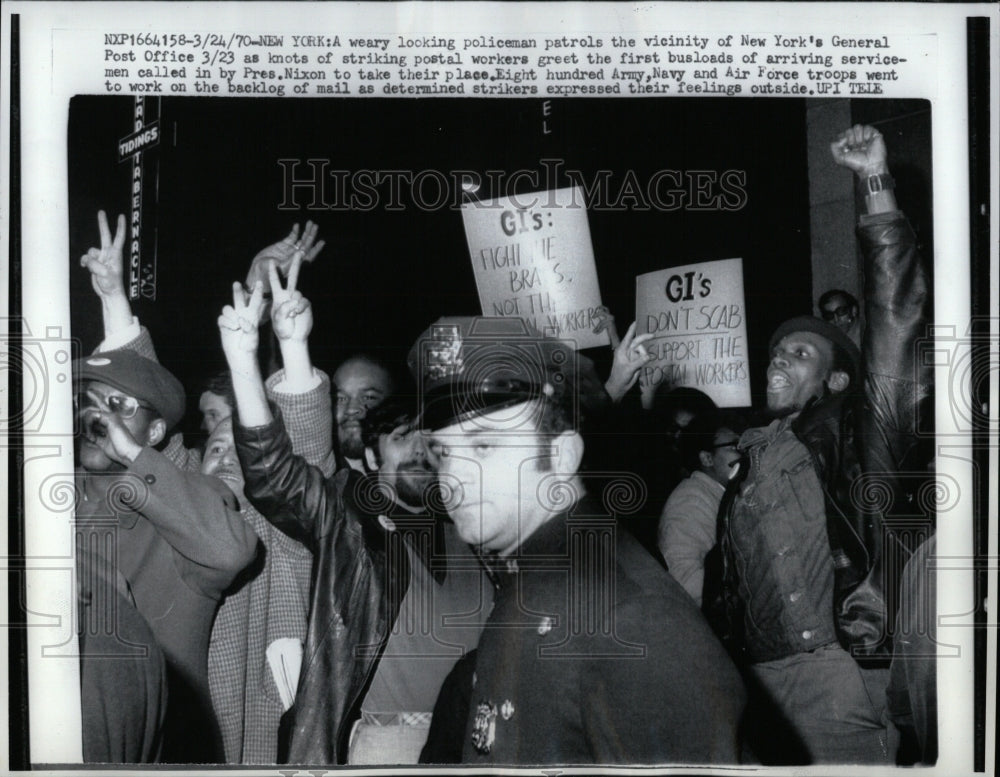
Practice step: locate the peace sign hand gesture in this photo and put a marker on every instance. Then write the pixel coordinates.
(291, 313)
(238, 325)
(105, 263)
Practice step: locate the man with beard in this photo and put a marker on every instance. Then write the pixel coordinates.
(362, 383)
(805, 585)
(385, 625)
(442, 606)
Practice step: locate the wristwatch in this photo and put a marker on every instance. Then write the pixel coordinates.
(879, 183)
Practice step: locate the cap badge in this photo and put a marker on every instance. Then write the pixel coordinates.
(484, 727)
(442, 354)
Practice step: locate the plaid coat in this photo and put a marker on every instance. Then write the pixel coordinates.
(269, 601)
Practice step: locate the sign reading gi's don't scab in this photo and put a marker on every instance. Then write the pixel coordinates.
(696, 314)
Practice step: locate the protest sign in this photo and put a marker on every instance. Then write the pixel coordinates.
(697, 316)
(533, 259)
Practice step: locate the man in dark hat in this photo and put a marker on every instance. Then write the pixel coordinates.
(176, 538)
(592, 653)
(805, 585)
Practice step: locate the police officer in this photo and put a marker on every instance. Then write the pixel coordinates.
(593, 653)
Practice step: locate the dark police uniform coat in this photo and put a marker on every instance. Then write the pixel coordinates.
(594, 654)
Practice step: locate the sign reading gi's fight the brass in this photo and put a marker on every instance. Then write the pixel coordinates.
(533, 259)
(697, 316)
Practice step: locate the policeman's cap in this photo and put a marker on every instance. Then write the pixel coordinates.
(470, 365)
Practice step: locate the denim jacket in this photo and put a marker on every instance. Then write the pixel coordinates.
(851, 449)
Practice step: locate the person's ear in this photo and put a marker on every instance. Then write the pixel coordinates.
(705, 459)
(156, 432)
(838, 381)
(568, 452)
(371, 462)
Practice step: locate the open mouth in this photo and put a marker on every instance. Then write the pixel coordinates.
(93, 433)
(778, 381)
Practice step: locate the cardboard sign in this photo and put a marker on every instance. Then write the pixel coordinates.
(533, 259)
(697, 315)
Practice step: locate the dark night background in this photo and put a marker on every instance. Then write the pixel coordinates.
(215, 187)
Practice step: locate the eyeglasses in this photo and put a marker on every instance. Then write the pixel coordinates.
(844, 311)
(122, 406)
(732, 445)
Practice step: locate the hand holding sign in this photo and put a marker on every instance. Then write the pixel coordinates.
(603, 320)
(697, 316)
(630, 357)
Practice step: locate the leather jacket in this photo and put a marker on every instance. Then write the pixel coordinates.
(860, 444)
(359, 579)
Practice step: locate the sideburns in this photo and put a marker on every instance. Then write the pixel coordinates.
(545, 463)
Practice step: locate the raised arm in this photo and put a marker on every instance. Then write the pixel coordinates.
(292, 321)
(300, 391)
(121, 328)
(862, 150)
(238, 327)
(896, 299)
(107, 276)
(286, 490)
(281, 253)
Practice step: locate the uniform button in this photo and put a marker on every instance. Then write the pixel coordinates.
(807, 634)
(507, 710)
(795, 597)
(545, 626)
(150, 479)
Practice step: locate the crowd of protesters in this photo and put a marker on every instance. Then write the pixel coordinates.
(380, 568)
